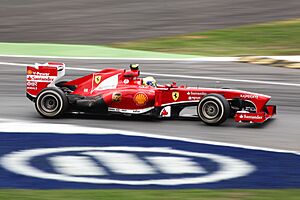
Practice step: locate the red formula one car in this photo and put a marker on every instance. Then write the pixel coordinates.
(121, 91)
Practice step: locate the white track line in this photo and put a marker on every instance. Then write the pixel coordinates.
(223, 79)
(178, 76)
(13, 64)
(203, 59)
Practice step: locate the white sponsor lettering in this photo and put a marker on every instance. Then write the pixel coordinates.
(249, 96)
(126, 81)
(40, 74)
(130, 111)
(194, 98)
(196, 93)
(31, 84)
(31, 88)
(251, 117)
(36, 78)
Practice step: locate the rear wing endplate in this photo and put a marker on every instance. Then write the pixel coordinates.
(41, 76)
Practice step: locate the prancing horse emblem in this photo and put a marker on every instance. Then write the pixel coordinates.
(175, 95)
(97, 79)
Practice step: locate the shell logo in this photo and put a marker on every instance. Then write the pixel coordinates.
(140, 98)
(29, 72)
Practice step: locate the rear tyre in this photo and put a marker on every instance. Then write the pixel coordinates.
(51, 103)
(213, 109)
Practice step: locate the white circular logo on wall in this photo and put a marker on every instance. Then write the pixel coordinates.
(132, 165)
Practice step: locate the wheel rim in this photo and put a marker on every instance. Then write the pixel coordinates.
(210, 110)
(49, 103)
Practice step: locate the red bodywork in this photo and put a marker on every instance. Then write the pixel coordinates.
(122, 91)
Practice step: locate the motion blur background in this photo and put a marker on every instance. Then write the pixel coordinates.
(108, 21)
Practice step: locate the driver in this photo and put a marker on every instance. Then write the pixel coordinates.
(149, 80)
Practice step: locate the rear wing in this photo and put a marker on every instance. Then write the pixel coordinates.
(41, 76)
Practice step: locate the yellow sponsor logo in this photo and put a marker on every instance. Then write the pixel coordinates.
(140, 99)
(29, 72)
(97, 79)
(116, 97)
(175, 95)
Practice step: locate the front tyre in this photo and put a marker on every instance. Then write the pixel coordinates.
(51, 103)
(213, 109)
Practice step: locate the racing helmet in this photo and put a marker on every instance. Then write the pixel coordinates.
(149, 80)
(134, 66)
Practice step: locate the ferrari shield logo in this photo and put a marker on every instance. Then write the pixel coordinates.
(97, 79)
(175, 95)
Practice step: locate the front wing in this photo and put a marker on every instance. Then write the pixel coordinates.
(260, 117)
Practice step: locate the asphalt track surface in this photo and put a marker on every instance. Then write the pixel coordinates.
(106, 21)
(281, 132)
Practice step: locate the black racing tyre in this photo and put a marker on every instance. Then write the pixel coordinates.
(213, 109)
(51, 103)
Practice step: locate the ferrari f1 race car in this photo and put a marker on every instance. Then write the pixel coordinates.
(122, 91)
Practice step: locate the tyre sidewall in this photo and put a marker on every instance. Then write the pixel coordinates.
(60, 98)
(223, 109)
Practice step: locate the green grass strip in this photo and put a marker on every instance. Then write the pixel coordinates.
(66, 50)
(149, 194)
(275, 38)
